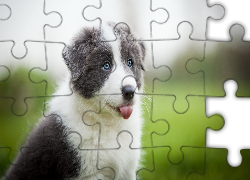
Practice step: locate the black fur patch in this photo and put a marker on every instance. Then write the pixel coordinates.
(85, 59)
(88, 53)
(46, 155)
(131, 50)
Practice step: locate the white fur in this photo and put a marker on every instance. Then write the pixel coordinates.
(71, 108)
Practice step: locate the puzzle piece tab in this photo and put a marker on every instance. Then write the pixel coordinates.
(5, 12)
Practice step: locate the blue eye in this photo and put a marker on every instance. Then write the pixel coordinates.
(106, 66)
(130, 63)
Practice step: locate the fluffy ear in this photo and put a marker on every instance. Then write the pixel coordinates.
(70, 58)
(143, 54)
(76, 54)
(143, 50)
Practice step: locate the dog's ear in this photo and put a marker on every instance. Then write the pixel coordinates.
(143, 54)
(143, 50)
(75, 55)
(70, 58)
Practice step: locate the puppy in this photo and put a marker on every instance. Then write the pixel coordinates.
(104, 76)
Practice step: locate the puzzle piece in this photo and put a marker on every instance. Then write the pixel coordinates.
(124, 139)
(93, 140)
(160, 168)
(72, 19)
(35, 59)
(27, 18)
(14, 129)
(236, 12)
(180, 11)
(90, 153)
(225, 60)
(181, 83)
(235, 112)
(47, 149)
(50, 144)
(152, 128)
(5, 12)
(53, 59)
(217, 166)
(108, 137)
(155, 70)
(117, 11)
(187, 129)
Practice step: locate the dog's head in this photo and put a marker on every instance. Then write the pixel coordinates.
(112, 70)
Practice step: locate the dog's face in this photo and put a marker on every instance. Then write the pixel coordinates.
(112, 70)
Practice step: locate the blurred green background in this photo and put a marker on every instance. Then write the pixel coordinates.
(188, 128)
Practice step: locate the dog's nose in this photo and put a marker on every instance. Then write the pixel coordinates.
(128, 92)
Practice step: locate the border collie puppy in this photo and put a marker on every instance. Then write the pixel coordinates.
(104, 76)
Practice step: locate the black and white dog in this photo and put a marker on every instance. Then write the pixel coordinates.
(100, 72)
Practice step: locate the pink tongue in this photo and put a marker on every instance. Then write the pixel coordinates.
(126, 111)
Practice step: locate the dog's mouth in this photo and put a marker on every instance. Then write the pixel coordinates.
(125, 111)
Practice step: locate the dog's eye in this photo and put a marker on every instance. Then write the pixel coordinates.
(130, 62)
(106, 66)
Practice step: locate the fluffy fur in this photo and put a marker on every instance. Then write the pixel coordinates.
(64, 144)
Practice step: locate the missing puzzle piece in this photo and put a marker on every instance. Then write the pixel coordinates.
(235, 110)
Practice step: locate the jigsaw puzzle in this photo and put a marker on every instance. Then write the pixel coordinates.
(61, 84)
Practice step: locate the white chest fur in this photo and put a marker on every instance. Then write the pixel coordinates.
(111, 159)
